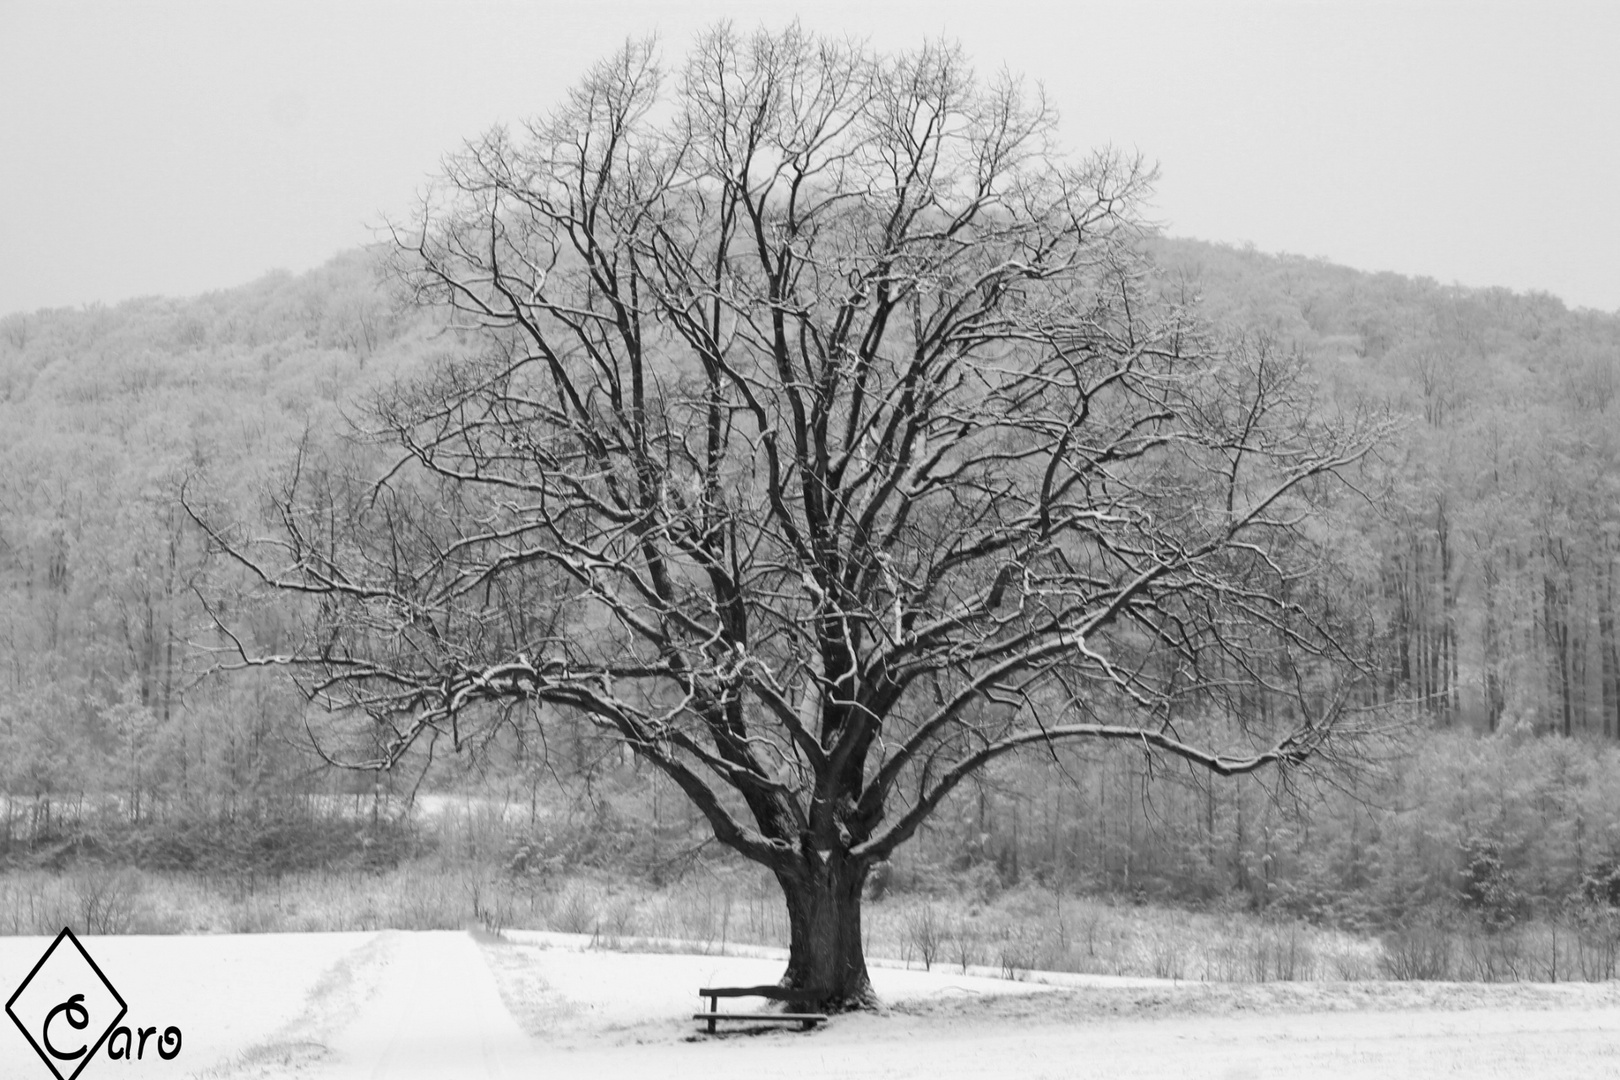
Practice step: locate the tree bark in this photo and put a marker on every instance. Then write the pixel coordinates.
(1449, 677)
(824, 930)
(1610, 653)
(1495, 698)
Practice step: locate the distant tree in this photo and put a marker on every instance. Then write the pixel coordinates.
(825, 439)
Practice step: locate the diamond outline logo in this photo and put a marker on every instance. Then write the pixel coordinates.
(69, 1006)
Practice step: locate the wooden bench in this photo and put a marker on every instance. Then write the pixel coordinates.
(774, 993)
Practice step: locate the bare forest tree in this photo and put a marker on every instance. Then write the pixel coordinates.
(824, 437)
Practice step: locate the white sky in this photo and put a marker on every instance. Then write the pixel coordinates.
(156, 146)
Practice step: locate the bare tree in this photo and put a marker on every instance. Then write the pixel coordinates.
(826, 438)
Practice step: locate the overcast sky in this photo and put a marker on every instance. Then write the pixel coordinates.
(154, 146)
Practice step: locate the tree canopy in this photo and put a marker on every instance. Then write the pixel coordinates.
(823, 434)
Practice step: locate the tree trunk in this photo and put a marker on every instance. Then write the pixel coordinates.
(1495, 698)
(1450, 700)
(1609, 652)
(824, 931)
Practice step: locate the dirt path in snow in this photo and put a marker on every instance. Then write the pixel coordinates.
(432, 1012)
(402, 1006)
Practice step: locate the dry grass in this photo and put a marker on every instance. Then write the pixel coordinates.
(104, 901)
(1016, 932)
(1033, 929)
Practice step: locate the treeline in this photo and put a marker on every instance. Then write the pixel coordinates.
(1478, 554)
(106, 640)
(1508, 826)
(1492, 525)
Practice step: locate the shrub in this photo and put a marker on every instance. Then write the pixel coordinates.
(968, 946)
(1169, 959)
(926, 933)
(1419, 952)
(105, 899)
(575, 911)
(1597, 941)
(1016, 955)
(1487, 889)
(1600, 886)
(1282, 954)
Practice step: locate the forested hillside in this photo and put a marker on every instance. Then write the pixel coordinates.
(104, 414)
(1496, 524)
(1480, 556)
(1481, 560)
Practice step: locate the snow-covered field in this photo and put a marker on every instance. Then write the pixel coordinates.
(395, 1004)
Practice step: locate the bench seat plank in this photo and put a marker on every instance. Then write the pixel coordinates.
(809, 1020)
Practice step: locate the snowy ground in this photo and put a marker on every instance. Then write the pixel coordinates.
(347, 1006)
